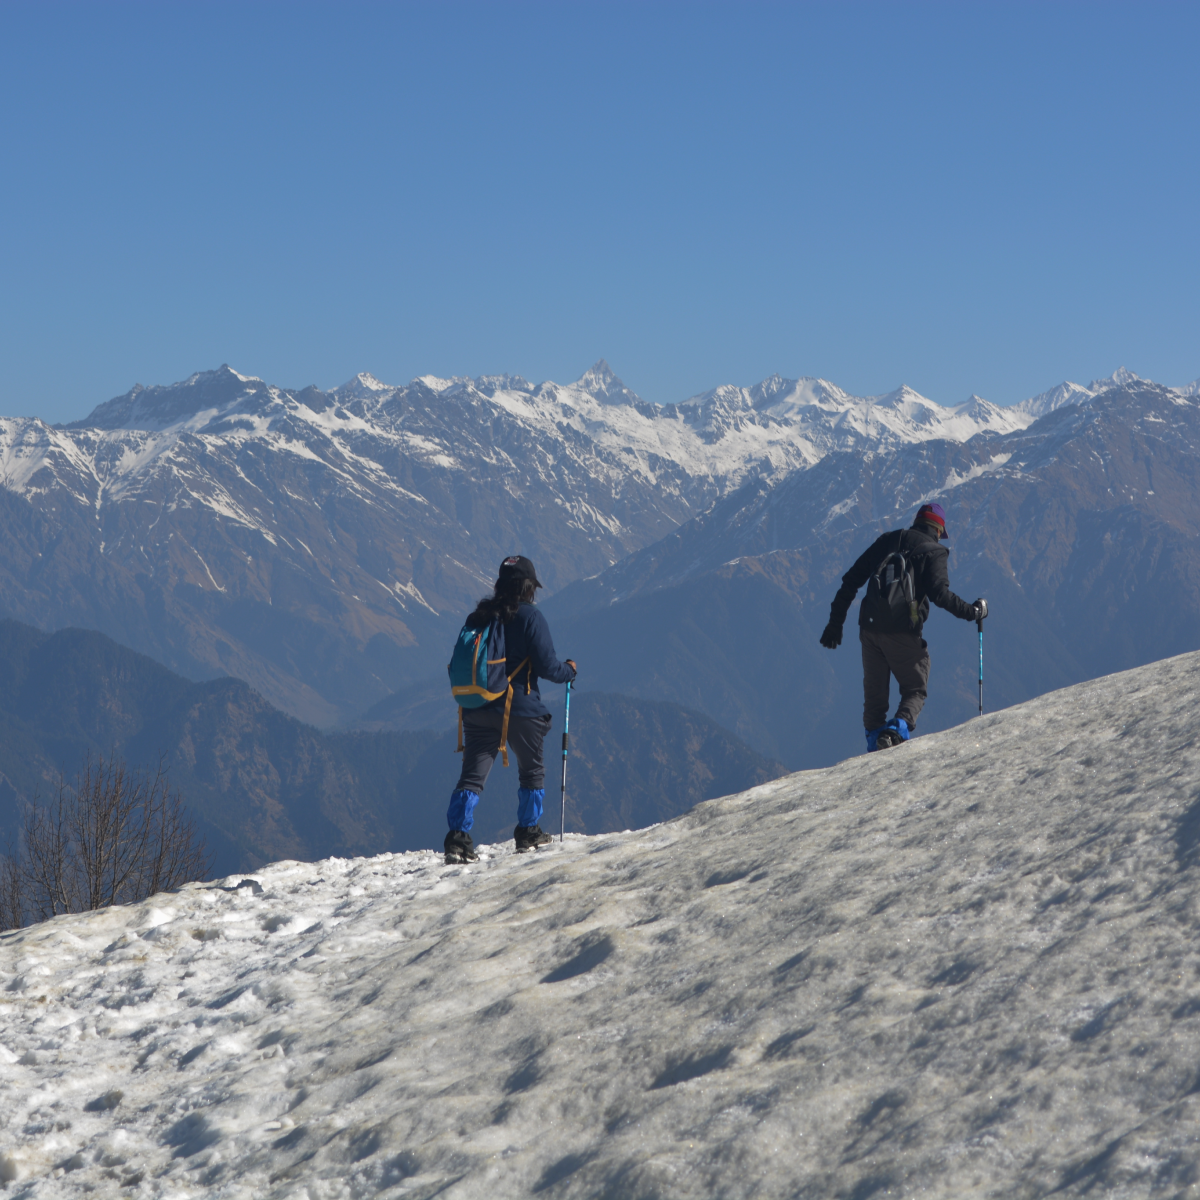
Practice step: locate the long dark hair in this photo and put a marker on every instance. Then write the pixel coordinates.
(502, 604)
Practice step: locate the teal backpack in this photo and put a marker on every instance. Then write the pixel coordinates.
(478, 675)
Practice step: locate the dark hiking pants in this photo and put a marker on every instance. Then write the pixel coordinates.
(481, 744)
(904, 655)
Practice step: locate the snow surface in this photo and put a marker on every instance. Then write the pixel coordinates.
(964, 967)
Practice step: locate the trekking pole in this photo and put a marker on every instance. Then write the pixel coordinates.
(979, 626)
(562, 823)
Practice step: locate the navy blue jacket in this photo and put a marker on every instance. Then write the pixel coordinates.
(527, 635)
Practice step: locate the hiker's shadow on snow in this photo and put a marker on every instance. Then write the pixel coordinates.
(1187, 837)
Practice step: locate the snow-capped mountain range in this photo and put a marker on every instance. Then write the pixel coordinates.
(315, 543)
(1133, 439)
(715, 438)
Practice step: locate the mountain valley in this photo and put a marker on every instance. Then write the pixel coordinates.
(323, 546)
(262, 786)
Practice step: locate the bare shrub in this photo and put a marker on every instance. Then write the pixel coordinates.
(11, 913)
(115, 837)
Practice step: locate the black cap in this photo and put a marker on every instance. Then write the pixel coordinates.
(517, 566)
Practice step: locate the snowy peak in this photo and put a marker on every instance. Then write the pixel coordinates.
(902, 397)
(597, 377)
(783, 398)
(1058, 397)
(988, 415)
(435, 383)
(601, 382)
(364, 384)
(1119, 378)
(489, 385)
(1068, 393)
(162, 407)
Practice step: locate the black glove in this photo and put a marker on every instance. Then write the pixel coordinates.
(831, 639)
(981, 609)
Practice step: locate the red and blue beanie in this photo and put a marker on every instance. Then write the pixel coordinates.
(932, 514)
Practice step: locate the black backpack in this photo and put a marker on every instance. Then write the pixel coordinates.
(891, 605)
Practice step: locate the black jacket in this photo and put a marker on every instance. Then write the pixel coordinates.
(928, 559)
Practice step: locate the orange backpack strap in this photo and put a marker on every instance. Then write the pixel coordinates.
(504, 727)
(508, 707)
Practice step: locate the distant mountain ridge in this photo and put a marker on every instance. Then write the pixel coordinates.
(847, 491)
(323, 546)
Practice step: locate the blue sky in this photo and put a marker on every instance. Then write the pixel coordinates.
(961, 197)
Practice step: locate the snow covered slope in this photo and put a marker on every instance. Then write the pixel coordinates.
(966, 967)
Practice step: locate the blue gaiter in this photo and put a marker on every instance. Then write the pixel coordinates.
(529, 805)
(461, 813)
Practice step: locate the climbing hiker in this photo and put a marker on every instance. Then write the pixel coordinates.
(501, 652)
(904, 570)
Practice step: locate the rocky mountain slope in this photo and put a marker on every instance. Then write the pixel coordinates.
(1083, 530)
(264, 786)
(965, 967)
(323, 546)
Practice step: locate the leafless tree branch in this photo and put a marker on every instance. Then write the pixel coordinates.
(12, 914)
(116, 837)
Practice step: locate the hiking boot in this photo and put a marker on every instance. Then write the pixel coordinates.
(460, 848)
(887, 738)
(530, 837)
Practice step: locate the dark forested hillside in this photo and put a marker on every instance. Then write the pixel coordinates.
(265, 786)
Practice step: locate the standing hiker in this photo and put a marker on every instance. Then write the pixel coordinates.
(500, 704)
(906, 569)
